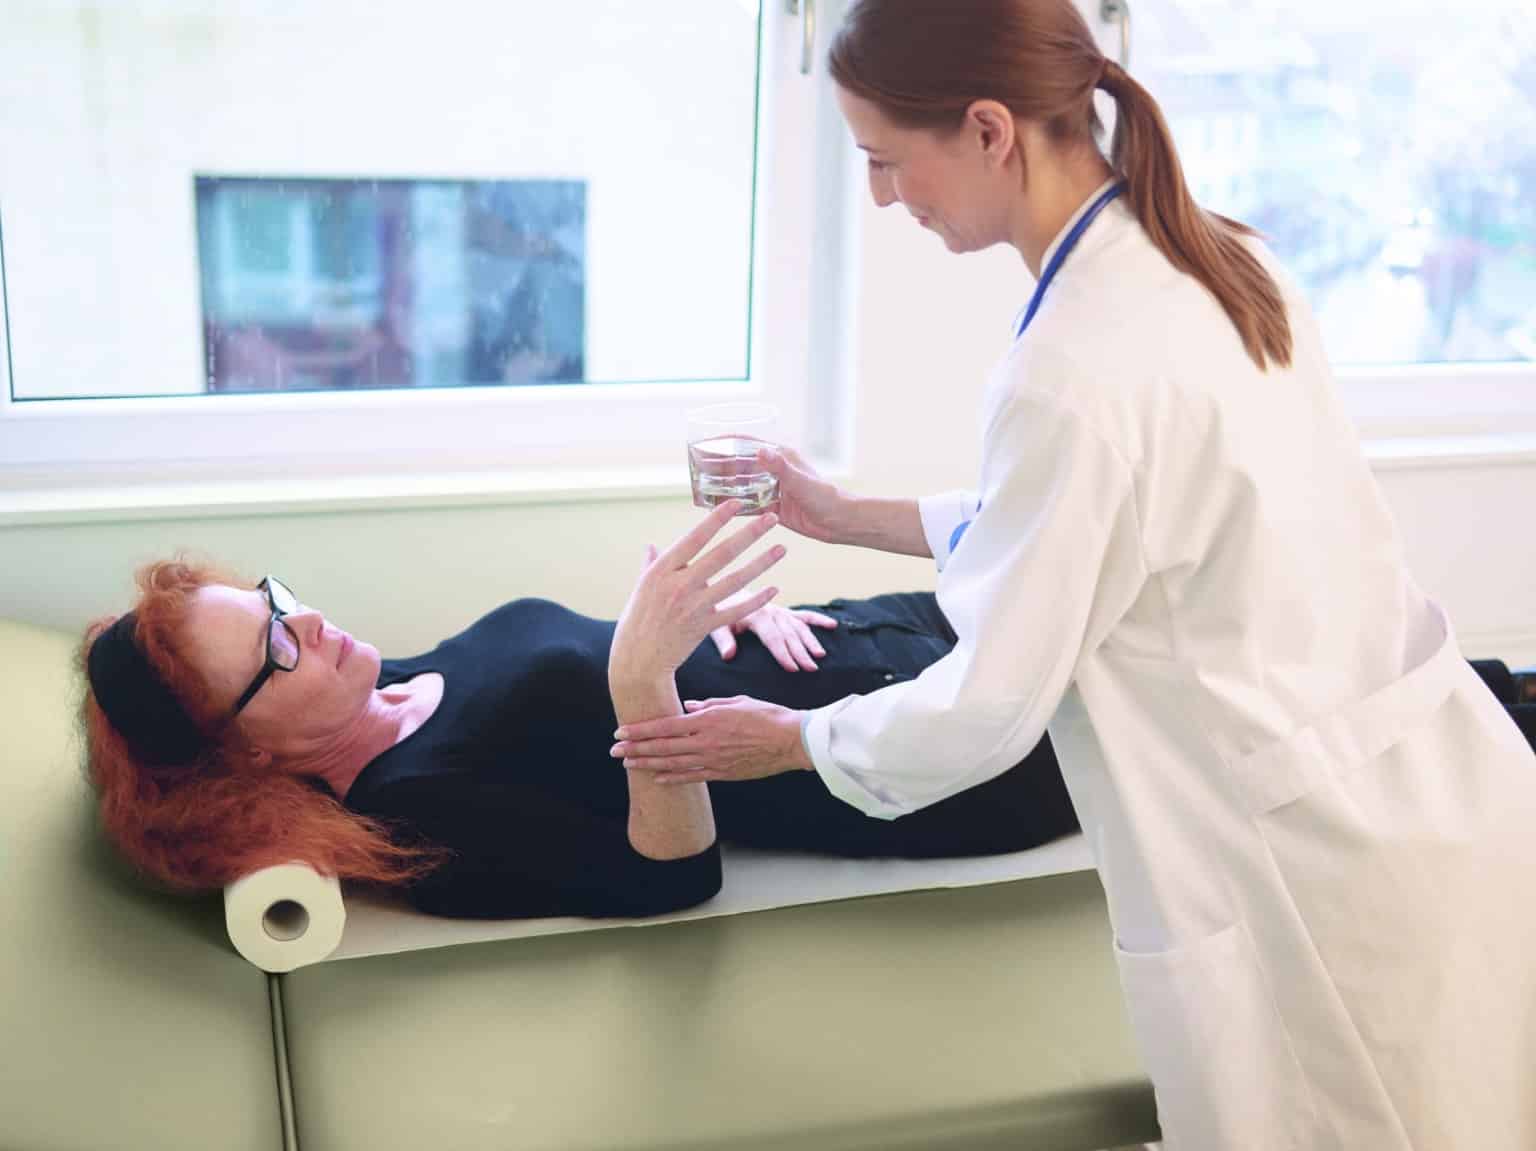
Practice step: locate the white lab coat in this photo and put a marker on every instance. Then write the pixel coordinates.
(1316, 828)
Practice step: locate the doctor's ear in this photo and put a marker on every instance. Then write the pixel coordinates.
(991, 124)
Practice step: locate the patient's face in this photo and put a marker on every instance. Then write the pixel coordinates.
(295, 712)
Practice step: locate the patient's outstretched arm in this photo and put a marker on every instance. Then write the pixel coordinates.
(677, 601)
(664, 822)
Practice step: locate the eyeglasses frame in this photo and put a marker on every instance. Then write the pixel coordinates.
(272, 663)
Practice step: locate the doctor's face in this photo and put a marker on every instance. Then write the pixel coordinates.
(953, 183)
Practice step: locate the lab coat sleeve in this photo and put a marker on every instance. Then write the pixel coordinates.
(942, 515)
(1046, 568)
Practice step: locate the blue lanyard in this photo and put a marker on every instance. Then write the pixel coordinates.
(1067, 244)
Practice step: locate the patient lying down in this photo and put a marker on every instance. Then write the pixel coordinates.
(230, 727)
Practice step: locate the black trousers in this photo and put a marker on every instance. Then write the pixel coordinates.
(1516, 692)
(885, 640)
(878, 642)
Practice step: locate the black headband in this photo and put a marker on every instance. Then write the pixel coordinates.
(137, 703)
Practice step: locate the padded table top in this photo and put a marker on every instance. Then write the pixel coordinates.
(128, 1019)
(985, 1017)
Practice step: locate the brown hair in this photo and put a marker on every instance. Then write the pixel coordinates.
(201, 825)
(924, 62)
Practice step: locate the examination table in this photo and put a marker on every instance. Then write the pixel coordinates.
(981, 1017)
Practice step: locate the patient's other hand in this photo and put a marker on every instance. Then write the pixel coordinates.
(785, 632)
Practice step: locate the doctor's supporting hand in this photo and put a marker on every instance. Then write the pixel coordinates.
(717, 741)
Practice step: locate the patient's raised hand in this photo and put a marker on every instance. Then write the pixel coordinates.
(681, 596)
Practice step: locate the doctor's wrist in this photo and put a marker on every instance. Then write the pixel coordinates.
(888, 525)
(806, 762)
(856, 522)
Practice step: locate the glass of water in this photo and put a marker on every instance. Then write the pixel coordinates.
(723, 442)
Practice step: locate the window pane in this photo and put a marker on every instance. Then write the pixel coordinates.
(324, 284)
(1387, 150)
(233, 195)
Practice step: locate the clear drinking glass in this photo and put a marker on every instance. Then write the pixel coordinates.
(723, 441)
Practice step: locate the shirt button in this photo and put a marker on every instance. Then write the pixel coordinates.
(889, 676)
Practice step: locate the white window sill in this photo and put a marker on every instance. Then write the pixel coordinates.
(1429, 453)
(276, 497)
(33, 506)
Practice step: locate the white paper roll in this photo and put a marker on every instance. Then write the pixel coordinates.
(284, 917)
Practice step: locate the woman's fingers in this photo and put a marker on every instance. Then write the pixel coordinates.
(725, 641)
(808, 638)
(648, 752)
(706, 704)
(727, 616)
(671, 726)
(796, 460)
(778, 647)
(707, 529)
(678, 763)
(718, 557)
(781, 458)
(799, 653)
(815, 618)
(733, 581)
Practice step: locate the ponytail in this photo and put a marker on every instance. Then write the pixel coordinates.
(1202, 244)
(1039, 59)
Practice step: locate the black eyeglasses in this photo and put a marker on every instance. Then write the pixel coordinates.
(282, 643)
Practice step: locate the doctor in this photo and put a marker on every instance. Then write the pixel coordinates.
(1312, 820)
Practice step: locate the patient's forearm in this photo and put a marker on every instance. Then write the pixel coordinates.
(886, 525)
(666, 821)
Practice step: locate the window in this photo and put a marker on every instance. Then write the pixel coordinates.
(1388, 153)
(329, 284)
(280, 239)
(5, 323)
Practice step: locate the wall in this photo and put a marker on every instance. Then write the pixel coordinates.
(929, 327)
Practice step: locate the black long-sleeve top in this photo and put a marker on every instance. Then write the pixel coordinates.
(512, 771)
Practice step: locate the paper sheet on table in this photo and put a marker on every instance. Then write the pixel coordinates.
(753, 881)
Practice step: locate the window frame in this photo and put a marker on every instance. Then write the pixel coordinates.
(98, 459)
(64, 455)
(1438, 401)
(1411, 414)
(5, 330)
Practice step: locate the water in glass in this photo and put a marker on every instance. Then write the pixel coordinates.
(726, 468)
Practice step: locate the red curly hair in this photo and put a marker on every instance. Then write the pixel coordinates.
(202, 825)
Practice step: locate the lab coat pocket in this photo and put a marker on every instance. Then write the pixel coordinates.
(1371, 817)
(1404, 867)
(1214, 1045)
